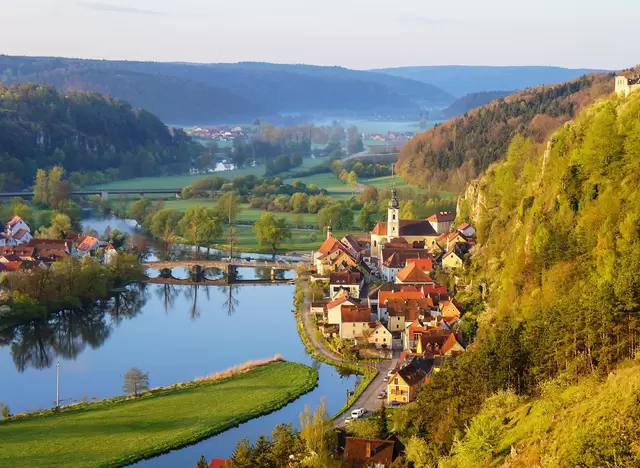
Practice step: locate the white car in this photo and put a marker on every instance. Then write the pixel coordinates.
(348, 419)
(356, 413)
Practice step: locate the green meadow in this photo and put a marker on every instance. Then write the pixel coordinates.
(122, 431)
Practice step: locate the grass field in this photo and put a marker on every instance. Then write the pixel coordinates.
(115, 434)
(171, 182)
(300, 240)
(326, 181)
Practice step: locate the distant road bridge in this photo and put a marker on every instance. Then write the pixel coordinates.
(217, 282)
(103, 193)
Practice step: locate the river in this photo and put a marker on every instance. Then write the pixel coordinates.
(175, 333)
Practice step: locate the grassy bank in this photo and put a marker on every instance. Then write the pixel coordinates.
(124, 430)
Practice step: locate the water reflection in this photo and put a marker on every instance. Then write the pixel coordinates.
(39, 343)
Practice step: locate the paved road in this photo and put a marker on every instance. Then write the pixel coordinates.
(369, 398)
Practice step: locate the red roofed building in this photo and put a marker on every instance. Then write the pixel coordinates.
(365, 453)
(466, 230)
(354, 320)
(442, 222)
(413, 274)
(350, 281)
(220, 463)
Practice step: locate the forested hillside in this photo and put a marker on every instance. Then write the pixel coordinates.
(464, 79)
(207, 93)
(559, 236)
(41, 127)
(470, 101)
(449, 155)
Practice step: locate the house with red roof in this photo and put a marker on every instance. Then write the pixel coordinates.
(354, 320)
(366, 453)
(441, 222)
(220, 463)
(334, 308)
(350, 281)
(416, 272)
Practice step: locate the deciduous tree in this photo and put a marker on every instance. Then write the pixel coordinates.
(135, 381)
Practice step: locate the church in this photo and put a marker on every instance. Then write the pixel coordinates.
(414, 231)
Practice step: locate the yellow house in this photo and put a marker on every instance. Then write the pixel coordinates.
(380, 337)
(404, 384)
(452, 261)
(450, 309)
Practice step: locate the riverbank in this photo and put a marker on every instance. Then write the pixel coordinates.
(123, 430)
(315, 347)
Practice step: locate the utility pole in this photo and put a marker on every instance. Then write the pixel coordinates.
(58, 385)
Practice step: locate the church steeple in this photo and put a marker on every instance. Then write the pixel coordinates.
(329, 231)
(393, 217)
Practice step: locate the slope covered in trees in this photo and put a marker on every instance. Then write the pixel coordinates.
(459, 80)
(449, 155)
(41, 127)
(559, 238)
(470, 101)
(204, 93)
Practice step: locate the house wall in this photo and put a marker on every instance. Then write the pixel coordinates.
(451, 262)
(350, 330)
(396, 323)
(19, 225)
(381, 337)
(334, 315)
(354, 289)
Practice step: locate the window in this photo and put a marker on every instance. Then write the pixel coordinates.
(376, 340)
(395, 381)
(394, 216)
(383, 339)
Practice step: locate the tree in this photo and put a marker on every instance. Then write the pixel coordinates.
(339, 215)
(299, 202)
(316, 290)
(241, 457)
(354, 141)
(296, 160)
(202, 462)
(368, 217)
(139, 210)
(369, 194)
(57, 188)
(382, 421)
(317, 432)
(24, 211)
(164, 225)
(271, 231)
(364, 428)
(419, 453)
(352, 178)
(228, 207)
(60, 228)
(408, 211)
(200, 224)
(135, 381)
(4, 410)
(40, 188)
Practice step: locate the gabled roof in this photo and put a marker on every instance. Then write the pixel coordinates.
(393, 258)
(416, 371)
(355, 313)
(345, 277)
(341, 300)
(442, 217)
(330, 245)
(368, 452)
(412, 273)
(410, 309)
(408, 227)
(351, 241)
(463, 226)
(219, 463)
(15, 220)
(450, 344)
(20, 234)
(87, 243)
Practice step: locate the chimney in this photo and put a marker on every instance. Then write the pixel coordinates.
(368, 449)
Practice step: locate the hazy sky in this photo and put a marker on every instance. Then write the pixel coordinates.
(352, 33)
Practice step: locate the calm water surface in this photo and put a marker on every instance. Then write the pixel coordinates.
(175, 333)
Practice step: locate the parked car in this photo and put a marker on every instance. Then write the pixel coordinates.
(386, 379)
(395, 403)
(356, 413)
(348, 419)
(382, 394)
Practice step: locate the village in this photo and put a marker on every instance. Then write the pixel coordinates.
(20, 250)
(383, 301)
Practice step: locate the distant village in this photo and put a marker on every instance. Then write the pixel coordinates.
(19, 249)
(383, 298)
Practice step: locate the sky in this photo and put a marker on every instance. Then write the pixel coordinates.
(359, 34)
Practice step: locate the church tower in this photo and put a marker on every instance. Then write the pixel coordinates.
(393, 217)
(329, 231)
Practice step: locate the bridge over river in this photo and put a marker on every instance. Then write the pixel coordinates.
(230, 268)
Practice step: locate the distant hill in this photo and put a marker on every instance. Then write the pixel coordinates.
(173, 99)
(470, 101)
(41, 127)
(206, 93)
(459, 80)
(451, 154)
